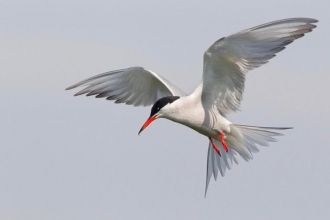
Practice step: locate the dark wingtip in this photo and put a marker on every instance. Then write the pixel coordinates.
(314, 20)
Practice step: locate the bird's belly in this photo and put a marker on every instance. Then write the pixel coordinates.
(208, 126)
(210, 131)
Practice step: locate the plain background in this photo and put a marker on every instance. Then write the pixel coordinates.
(80, 158)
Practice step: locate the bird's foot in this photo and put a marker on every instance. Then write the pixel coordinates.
(215, 147)
(224, 144)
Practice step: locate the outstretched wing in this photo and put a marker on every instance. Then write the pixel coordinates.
(228, 60)
(133, 86)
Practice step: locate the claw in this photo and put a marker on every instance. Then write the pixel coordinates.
(215, 146)
(224, 144)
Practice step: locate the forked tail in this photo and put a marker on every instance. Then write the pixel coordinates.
(242, 140)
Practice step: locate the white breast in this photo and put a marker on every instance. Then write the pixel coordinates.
(191, 113)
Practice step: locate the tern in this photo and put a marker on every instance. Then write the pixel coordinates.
(226, 63)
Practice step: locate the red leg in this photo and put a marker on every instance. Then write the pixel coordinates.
(222, 135)
(215, 146)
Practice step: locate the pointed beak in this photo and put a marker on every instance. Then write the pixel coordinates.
(145, 125)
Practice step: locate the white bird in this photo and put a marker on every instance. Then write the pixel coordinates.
(226, 63)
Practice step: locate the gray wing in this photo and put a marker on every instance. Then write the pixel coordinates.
(228, 60)
(133, 86)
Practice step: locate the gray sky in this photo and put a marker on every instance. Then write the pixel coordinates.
(81, 158)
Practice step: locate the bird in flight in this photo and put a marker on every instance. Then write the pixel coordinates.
(226, 63)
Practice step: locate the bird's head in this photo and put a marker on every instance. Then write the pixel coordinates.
(159, 109)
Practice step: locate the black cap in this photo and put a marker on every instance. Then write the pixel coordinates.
(161, 103)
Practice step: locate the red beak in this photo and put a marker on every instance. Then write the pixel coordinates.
(145, 125)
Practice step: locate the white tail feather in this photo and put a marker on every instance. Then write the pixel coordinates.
(241, 140)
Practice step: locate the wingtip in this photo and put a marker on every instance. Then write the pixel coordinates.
(314, 20)
(82, 92)
(70, 87)
(205, 193)
(307, 19)
(287, 128)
